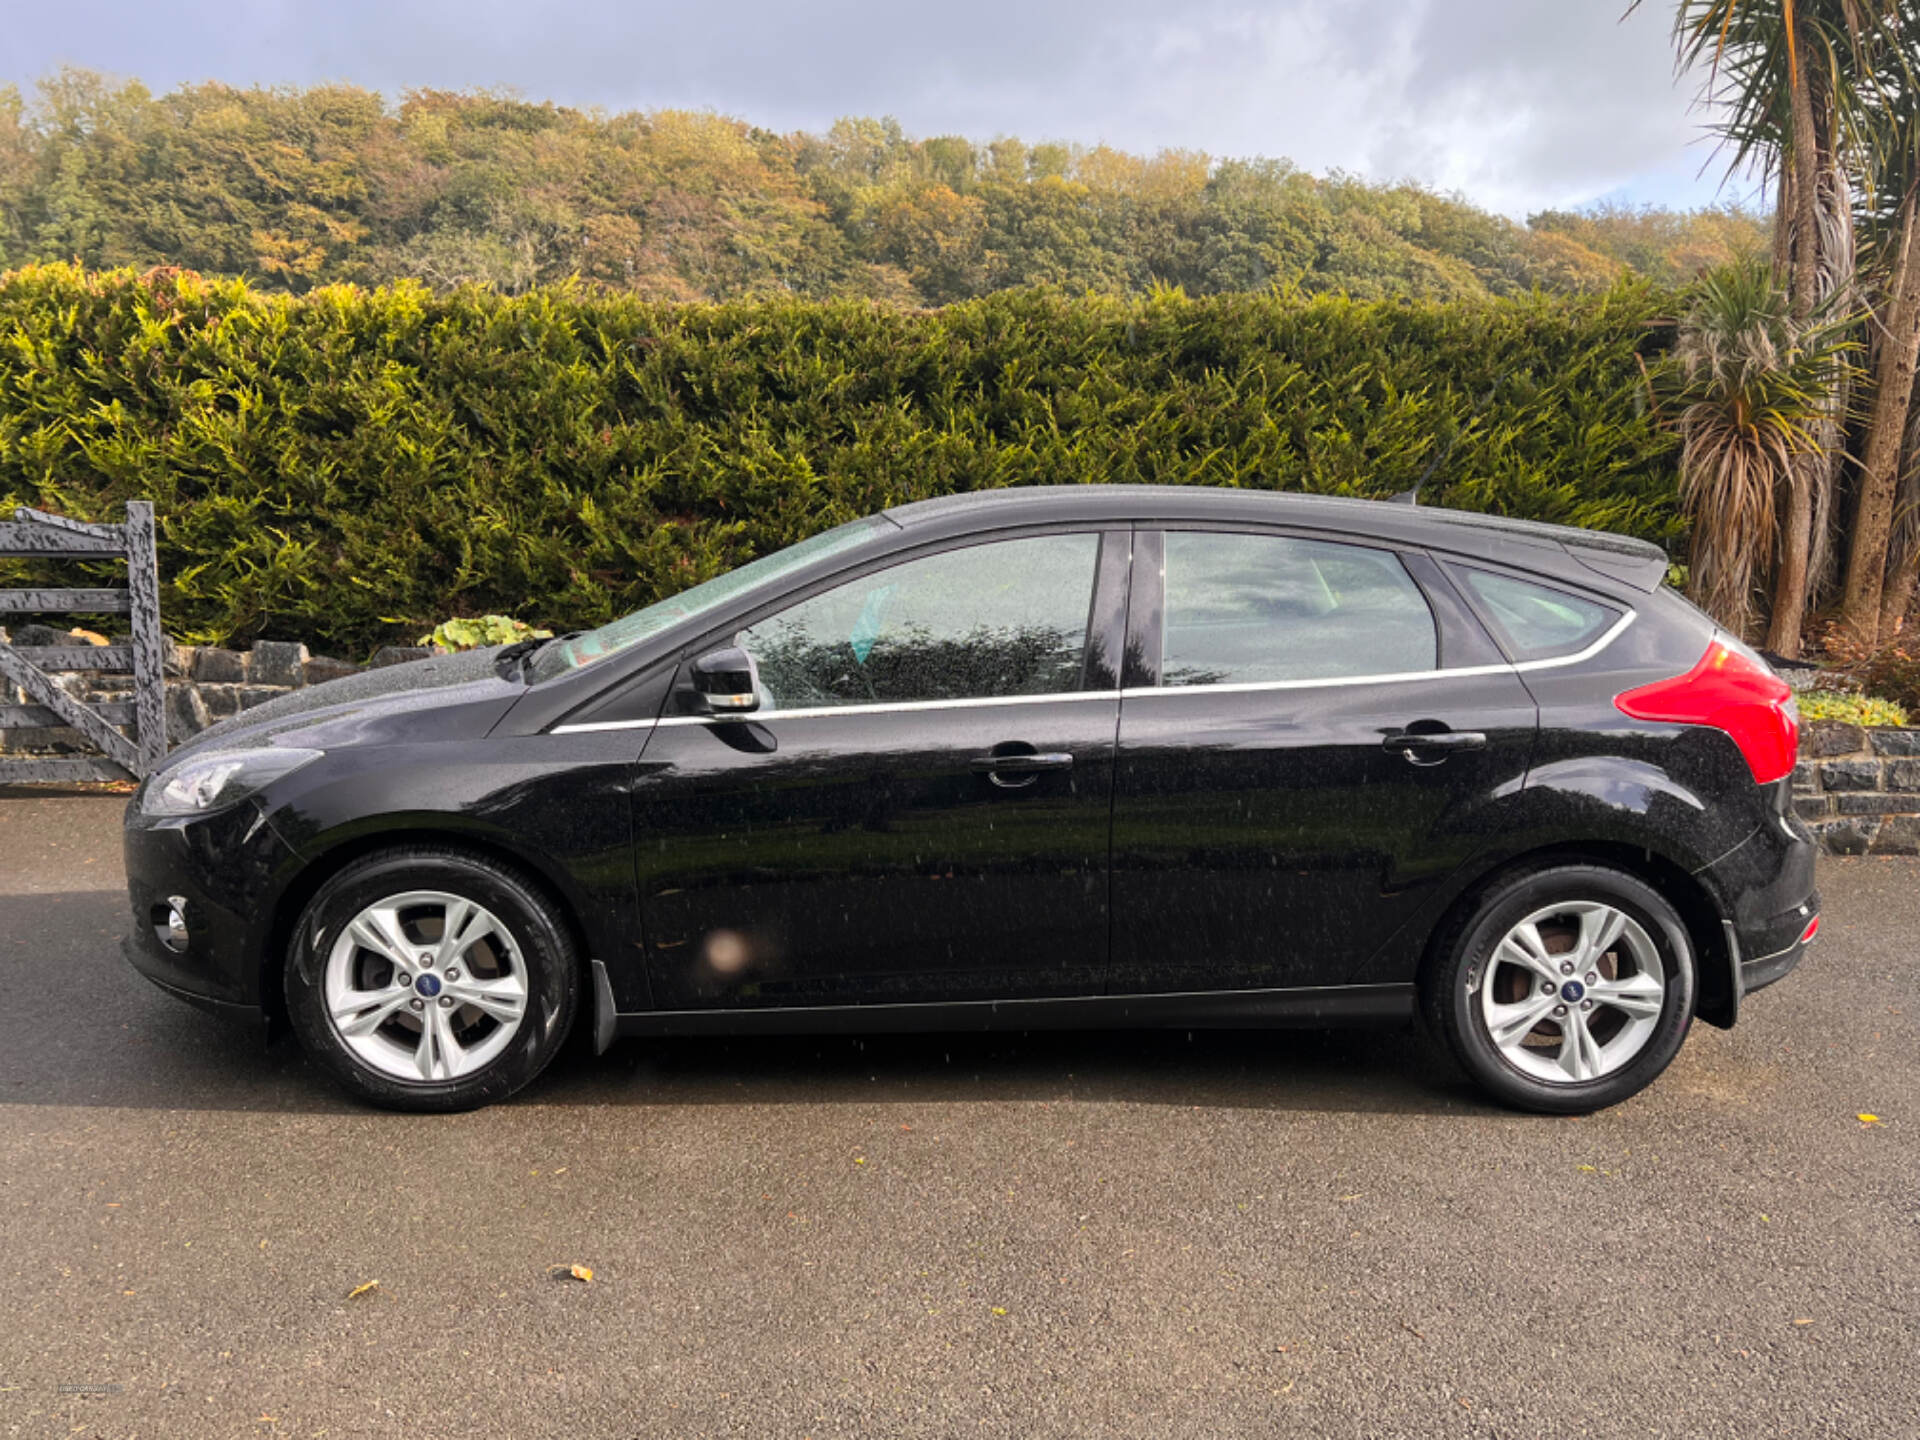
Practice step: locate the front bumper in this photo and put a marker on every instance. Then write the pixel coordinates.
(222, 872)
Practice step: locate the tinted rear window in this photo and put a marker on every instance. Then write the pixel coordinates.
(1537, 621)
(1264, 608)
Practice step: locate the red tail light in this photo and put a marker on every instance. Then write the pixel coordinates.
(1730, 691)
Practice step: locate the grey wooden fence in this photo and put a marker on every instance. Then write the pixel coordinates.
(36, 535)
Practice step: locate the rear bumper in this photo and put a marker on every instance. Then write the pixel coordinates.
(1759, 971)
(1768, 903)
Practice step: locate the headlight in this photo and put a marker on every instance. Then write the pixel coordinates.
(212, 782)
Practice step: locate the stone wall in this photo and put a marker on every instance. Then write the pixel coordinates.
(204, 684)
(1859, 789)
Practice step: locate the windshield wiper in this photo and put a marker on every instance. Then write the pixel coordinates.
(512, 661)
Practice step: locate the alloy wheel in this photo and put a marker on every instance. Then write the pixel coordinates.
(1573, 992)
(425, 986)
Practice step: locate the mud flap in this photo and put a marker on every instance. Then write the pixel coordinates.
(602, 1008)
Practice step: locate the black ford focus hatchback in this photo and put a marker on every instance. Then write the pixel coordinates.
(1101, 756)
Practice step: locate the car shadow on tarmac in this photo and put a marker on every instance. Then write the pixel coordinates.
(80, 1028)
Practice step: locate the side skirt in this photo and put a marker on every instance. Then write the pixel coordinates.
(1322, 1006)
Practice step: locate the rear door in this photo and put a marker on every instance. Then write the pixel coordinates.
(918, 810)
(1308, 732)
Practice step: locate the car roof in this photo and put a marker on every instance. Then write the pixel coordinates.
(1528, 544)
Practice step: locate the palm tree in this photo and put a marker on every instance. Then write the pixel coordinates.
(1798, 86)
(1886, 548)
(1753, 385)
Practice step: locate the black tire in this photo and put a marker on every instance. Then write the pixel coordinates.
(1462, 962)
(539, 933)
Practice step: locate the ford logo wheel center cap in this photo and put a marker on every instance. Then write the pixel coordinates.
(1571, 992)
(429, 985)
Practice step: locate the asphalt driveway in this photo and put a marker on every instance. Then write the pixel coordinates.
(1163, 1235)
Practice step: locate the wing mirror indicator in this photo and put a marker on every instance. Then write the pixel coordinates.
(728, 681)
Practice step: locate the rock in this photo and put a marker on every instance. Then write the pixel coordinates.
(1903, 774)
(1898, 836)
(400, 655)
(277, 662)
(322, 668)
(1847, 837)
(1832, 737)
(1892, 741)
(1803, 677)
(177, 659)
(252, 695)
(220, 700)
(186, 715)
(1872, 802)
(1850, 775)
(1812, 807)
(1806, 776)
(214, 666)
(37, 634)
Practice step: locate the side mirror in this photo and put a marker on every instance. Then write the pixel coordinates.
(727, 680)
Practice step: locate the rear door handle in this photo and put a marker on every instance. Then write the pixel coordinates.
(1431, 747)
(1012, 771)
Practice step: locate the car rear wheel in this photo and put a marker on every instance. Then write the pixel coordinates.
(1565, 989)
(431, 979)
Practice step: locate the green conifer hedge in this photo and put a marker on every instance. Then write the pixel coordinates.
(350, 467)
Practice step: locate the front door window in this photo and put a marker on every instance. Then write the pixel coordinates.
(997, 620)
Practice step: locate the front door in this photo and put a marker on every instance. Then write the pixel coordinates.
(918, 809)
(1296, 771)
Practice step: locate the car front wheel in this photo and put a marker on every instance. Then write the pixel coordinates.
(1565, 989)
(431, 979)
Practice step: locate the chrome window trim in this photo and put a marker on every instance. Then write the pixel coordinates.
(595, 727)
(1457, 672)
(1552, 662)
(1137, 692)
(815, 712)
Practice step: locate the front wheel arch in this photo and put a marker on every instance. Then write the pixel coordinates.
(306, 882)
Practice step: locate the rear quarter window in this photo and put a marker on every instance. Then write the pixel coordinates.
(1535, 621)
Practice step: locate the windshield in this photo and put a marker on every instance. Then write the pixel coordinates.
(588, 646)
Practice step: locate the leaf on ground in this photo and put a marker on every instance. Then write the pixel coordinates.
(582, 1273)
(366, 1289)
(1866, 1119)
(999, 1309)
(1803, 1320)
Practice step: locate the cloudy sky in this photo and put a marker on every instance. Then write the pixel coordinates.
(1520, 104)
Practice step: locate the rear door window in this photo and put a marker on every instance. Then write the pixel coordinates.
(1246, 609)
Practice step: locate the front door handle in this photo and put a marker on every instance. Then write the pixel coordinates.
(1010, 772)
(1431, 747)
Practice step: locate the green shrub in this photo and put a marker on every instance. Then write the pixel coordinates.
(349, 466)
(1854, 709)
(481, 631)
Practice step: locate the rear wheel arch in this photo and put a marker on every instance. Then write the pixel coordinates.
(1715, 998)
